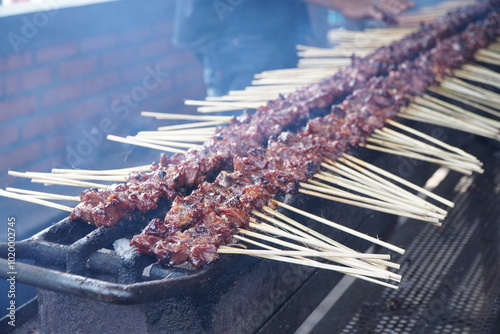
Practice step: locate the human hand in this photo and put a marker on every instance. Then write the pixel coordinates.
(393, 7)
(377, 9)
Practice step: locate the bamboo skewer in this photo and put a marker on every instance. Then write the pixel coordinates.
(194, 125)
(397, 179)
(320, 238)
(433, 140)
(193, 138)
(70, 183)
(410, 147)
(390, 191)
(352, 259)
(47, 179)
(379, 192)
(43, 195)
(379, 199)
(340, 227)
(455, 121)
(457, 91)
(452, 123)
(389, 143)
(387, 206)
(141, 143)
(488, 56)
(450, 109)
(478, 74)
(459, 98)
(433, 110)
(315, 240)
(340, 269)
(394, 140)
(181, 132)
(418, 157)
(28, 198)
(69, 177)
(451, 150)
(378, 207)
(250, 241)
(356, 172)
(304, 253)
(211, 106)
(160, 115)
(159, 142)
(365, 272)
(121, 171)
(483, 95)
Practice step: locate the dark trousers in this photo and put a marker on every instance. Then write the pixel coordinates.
(231, 63)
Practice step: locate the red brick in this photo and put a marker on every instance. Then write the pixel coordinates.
(15, 61)
(54, 143)
(98, 43)
(163, 28)
(61, 94)
(196, 92)
(177, 61)
(37, 78)
(27, 80)
(86, 109)
(136, 34)
(155, 48)
(55, 52)
(13, 84)
(133, 73)
(172, 101)
(111, 59)
(18, 156)
(16, 107)
(190, 75)
(10, 134)
(78, 67)
(42, 124)
(100, 83)
(162, 87)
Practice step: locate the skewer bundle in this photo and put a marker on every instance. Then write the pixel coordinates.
(317, 63)
(235, 202)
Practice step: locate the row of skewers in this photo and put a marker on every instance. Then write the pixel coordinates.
(221, 193)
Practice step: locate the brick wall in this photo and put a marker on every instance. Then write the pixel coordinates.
(69, 77)
(72, 75)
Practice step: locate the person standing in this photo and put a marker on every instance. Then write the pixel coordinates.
(235, 39)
